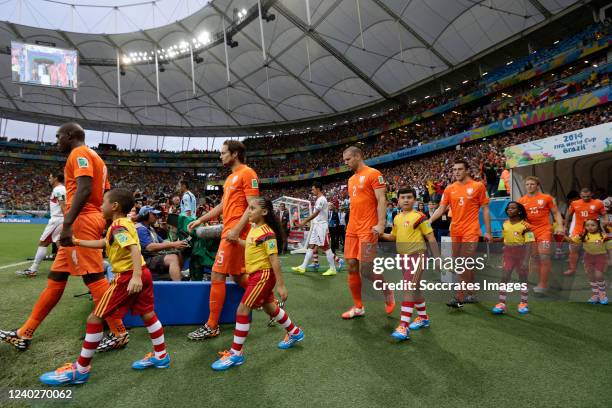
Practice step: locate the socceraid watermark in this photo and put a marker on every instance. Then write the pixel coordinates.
(485, 269)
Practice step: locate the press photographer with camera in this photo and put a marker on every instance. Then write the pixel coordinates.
(162, 257)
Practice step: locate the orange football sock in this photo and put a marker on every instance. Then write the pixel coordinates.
(217, 298)
(97, 289)
(354, 282)
(45, 303)
(545, 268)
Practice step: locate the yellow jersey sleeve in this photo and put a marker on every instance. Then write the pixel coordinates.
(425, 228)
(122, 235)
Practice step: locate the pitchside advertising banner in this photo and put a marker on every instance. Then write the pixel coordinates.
(595, 139)
(17, 219)
(482, 270)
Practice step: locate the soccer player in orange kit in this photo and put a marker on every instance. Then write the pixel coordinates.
(368, 208)
(465, 197)
(86, 180)
(539, 207)
(240, 189)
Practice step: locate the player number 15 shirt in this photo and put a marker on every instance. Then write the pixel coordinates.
(363, 203)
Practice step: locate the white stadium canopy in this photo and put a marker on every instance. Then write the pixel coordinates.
(318, 58)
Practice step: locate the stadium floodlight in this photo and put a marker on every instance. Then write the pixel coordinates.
(465, 82)
(414, 101)
(509, 62)
(447, 89)
(126, 60)
(204, 37)
(556, 42)
(427, 97)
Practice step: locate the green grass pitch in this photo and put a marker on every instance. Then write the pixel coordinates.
(558, 355)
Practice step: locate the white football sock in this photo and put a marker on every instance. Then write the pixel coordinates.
(41, 252)
(307, 257)
(330, 259)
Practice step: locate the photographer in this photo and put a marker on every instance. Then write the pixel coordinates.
(162, 257)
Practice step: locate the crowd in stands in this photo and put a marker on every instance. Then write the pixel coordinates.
(429, 175)
(25, 186)
(548, 90)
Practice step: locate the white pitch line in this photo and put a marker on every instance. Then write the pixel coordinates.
(15, 264)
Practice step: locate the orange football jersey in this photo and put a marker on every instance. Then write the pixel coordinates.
(539, 208)
(239, 185)
(84, 162)
(363, 204)
(583, 211)
(465, 200)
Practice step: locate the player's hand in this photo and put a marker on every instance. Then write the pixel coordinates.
(488, 237)
(180, 245)
(559, 231)
(378, 230)
(232, 235)
(193, 224)
(282, 292)
(66, 236)
(135, 285)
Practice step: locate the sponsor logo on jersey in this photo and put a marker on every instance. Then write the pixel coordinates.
(540, 202)
(470, 190)
(381, 180)
(234, 179)
(254, 183)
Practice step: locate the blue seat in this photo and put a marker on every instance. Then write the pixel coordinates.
(186, 303)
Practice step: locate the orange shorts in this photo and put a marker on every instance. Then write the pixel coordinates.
(78, 260)
(464, 245)
(360, 246)
(229, 259)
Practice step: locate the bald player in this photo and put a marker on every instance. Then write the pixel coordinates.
(86, 181)
(465, 197)
(368, 208)
(240, 189)
(540, 207)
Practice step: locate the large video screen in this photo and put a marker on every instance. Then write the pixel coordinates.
(33, 64)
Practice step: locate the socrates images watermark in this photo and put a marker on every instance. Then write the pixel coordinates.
(454, 265)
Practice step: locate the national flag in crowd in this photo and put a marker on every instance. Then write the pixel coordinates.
(543, 97)
(562, 91)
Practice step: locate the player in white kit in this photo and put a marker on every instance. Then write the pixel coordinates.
(319, 236)
(57, 206)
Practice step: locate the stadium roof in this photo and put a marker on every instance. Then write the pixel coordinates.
(337, 56)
